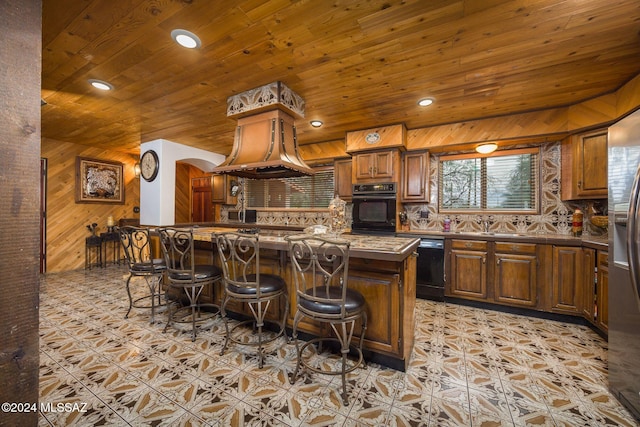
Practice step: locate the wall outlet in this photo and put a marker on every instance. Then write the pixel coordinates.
(424, 214)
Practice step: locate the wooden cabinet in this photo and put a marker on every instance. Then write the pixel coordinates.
(342, 179)
(515, 278)
(375, 166)
(567, 282)
(584, 166)
(602, 292)
(589, 283)
(224, 188)
(415, 177)
(468, 269)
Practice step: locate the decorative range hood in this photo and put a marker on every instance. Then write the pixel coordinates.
(265, 144)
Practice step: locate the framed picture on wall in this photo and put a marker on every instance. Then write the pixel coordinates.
(99, 181)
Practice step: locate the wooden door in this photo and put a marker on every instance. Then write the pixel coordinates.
(592, 158)
(342, 179)
(602, 295)
(566, 292)
(588, 286)
(43, 215)
(468, 273)
(201, 205)
(415, 177)
(515, 279)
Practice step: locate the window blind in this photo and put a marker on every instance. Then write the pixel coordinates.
(502, 182)
(309, 191)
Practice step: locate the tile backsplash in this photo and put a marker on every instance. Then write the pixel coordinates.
(555, 217)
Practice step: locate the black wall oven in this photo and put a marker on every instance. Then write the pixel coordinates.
(374, 208)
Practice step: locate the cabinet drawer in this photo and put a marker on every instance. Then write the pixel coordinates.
(515, 247)
(476, 245)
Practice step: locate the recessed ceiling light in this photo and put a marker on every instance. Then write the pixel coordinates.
(486, 148)
(186, 39)
(99, 84)
(316, 123)
(425, 101)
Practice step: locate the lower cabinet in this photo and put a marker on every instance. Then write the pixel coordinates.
(468, 274)
(498, 272)
(567, 284)
(602, 292)
(515, 275)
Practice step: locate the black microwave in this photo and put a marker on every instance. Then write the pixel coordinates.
(374, 208)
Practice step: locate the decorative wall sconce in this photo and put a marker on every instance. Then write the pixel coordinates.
(136, 170)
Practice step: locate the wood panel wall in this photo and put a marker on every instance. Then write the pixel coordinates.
(66, 219)
(20, 51)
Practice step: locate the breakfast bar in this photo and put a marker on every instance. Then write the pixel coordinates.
(381, 268)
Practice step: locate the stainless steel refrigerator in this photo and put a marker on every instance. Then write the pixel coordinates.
(624, 261)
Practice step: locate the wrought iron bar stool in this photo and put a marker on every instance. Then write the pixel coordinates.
(138, 252)
(320, 267)
(184, 274)
(243, 282)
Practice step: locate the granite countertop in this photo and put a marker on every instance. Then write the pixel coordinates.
(596, 242)
(387, 248)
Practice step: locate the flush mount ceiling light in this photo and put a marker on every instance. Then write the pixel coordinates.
(186, 39)
(99, 84)
(486, 148)
(425, 102)
(316, 123)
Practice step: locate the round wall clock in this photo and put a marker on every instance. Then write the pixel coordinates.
(149, 165)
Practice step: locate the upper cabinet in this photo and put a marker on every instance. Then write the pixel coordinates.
(225, 189)
(376, 166)
(376, 153)
(584, 166)
(415, 177)
(342, 179)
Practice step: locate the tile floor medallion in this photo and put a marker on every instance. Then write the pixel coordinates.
(469, 367)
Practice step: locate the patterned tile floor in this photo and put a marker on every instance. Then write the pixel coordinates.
(469, 367)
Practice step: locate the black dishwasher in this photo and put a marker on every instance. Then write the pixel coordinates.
(430, 269)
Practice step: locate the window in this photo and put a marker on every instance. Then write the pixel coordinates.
(502, 182)
(311, 191)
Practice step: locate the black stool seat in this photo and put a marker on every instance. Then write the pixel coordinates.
(269, 283)
(201, 272)
(145, 267)
(354, 301)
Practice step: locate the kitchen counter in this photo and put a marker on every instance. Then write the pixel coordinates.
(595, 242)
(368, 247)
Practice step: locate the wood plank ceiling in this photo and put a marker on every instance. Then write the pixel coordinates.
(357, 64)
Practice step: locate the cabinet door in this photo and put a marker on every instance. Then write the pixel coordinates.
(381, 291)
(363, 166)
(588, 286)
(222, 189)
(468, 274)
(592, 164)
(415, 177)
(383, 165)
(602, 295)
(566, 288)
(515, 279)
(342, 179)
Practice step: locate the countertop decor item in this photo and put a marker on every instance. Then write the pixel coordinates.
(337, 208)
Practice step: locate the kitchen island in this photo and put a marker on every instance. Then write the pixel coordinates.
(381, 268)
